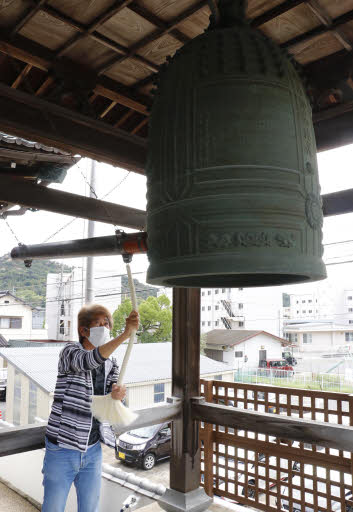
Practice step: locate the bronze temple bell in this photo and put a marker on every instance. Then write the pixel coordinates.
(233, 191)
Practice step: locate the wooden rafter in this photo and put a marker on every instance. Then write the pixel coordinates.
(139, 126)
(46, 64)
(100, 38)
(159, 32)
(102, 18)
(21, 76)
(327, 21)
(29, 116)
(108, 109)
(321, 29)
(32, 11)
(45, 86)
(123, 118)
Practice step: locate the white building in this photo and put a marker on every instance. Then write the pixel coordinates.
(66, 296)
(243, 348)
(32, 373)
(18, 320)
(320, 336)
(247, 308)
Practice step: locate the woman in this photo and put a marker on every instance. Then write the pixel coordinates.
(73, 451)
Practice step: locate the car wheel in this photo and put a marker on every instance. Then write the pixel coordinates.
(149, 461)
(251, 492)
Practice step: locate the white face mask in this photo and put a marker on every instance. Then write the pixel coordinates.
(99, 336)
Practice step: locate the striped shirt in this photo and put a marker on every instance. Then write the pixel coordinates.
(70, 420)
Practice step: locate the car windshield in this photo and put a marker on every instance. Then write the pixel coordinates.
(145, 432)
(278, 364)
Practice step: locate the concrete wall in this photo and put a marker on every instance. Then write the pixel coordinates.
(251, 348)
(10, 307)
(322, 341)
(23, 473)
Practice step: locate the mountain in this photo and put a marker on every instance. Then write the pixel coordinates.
(143, 290)
(28, 284)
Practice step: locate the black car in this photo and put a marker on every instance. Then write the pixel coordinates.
(144, 446)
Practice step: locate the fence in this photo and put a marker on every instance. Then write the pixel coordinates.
(273, 474)
(304, 380)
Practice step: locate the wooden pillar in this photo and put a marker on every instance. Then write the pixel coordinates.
(185, 493)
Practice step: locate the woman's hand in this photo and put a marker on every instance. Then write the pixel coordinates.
(118, 392)
(132, 323)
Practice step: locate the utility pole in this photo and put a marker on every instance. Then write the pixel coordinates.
(89, 295)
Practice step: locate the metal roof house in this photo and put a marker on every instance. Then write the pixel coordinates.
(79, 76)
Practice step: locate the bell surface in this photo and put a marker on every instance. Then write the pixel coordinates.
(232, 180)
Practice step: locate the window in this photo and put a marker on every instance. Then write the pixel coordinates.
(223, 290)
(238, 354)
(216, 323)
(7, 301)
(216, 291)
(16, 418)
(348, 336)
(203, 324)
(310, 301)
(208, 323)
(310, 310)
(217, 377)
(303, 301)
(209, 308)
(203, 294)
(62, 327)
(297, 301)
(209, 292)
(351, 321)
(203, 308)
(62, 309)
(350, 310)
(10, 323)
(241, 324)
(240, 289)
(304, 311)
(32, 402)
(240, 306)
(158, 393)
(297, 312)
(307, 338)
(349, 297)
(216, 308)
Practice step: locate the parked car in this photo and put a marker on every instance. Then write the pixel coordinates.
(291, 360)
(321, 488)
(280, 366)
(144, 446)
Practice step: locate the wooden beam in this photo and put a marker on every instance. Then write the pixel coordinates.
(108, 109)
(16, 155)
(123, 118)
(52, 200)
(21, 76)
(306, 431)
(273, 13)
(21, 439)
(45, 86)
(31, 117)
(24, 439)
(185, 458)
(334, 127)
(338, 203)
(113, 91)
(139, 126)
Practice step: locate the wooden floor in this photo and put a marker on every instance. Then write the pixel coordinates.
(10, 501)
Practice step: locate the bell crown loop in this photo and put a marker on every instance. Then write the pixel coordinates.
(227, 13)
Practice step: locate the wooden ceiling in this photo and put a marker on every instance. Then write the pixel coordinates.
(97, 60)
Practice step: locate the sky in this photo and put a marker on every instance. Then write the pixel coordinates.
(335, 170)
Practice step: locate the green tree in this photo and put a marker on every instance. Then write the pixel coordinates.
(155, 319)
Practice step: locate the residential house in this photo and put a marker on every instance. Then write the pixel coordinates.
(243, 348)
(19, 320)
(32, 376)
(320, 336)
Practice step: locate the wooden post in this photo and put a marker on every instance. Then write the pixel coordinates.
(208, 444)
(185, 492)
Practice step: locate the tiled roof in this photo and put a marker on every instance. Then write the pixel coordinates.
(18, 141)
(233, 337)
(148, 362)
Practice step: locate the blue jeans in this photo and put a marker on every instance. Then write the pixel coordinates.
(63, 466)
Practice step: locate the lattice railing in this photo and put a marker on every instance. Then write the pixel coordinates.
(275, 474)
